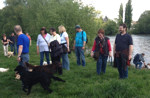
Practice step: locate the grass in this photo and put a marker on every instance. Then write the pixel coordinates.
(81, 82)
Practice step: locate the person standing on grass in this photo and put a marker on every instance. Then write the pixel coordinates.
(5, 43)
(12, 43)
(22, 46)
(42, 45)
(79, 45)
(56, 40)
(55, 36)
(64, 39)
(102, 47)
(123, 48)
(27, 34)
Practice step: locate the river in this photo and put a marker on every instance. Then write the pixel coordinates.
(141, 45)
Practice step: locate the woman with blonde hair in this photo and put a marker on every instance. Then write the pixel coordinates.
(65, 42)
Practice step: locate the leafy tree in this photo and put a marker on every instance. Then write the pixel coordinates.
(120, 20)
(110, 27)
(143, 24)
(128, 14)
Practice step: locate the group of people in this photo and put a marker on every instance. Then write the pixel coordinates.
(12, 42)
(101, 49)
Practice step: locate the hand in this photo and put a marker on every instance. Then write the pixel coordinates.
(68, 49)
(19, 59)
(130, 57)
(37, 52)
(92, 53)
(110, 54)
(83, 48)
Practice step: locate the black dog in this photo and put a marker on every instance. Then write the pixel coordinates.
(30, 78)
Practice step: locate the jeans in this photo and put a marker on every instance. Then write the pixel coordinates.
(140, 65)
(42, 57)
(13, 48)
(123, 71)
(80, 54)
(101, 64)
(5, 47)
(65, 61)
(24, 58)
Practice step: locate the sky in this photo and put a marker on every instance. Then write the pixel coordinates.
(110, 8)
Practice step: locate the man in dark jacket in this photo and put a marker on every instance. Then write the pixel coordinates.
(139, 60)
(12, 43)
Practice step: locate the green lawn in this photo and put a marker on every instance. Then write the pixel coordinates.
(81, 82)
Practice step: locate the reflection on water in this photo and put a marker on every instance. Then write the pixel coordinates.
(141, 45)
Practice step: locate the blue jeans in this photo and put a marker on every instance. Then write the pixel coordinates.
(80, 54)
(140, 65)
(101, 64)
(123, 72)
(24, 58)
(65, 61)
(42, 57)
(13, 48)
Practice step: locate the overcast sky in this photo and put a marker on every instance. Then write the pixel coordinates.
(110, 8)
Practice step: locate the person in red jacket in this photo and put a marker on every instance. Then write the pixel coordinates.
(102, 49)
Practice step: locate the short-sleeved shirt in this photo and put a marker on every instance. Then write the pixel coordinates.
(63, 37)
(13, 39)
(24, 41)
(123, 42)
(56, 37)
(4, 40)
(80, 38)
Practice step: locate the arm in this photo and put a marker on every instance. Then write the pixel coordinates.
(67, 39)
(37, 48)
(84, 40)
(93, 49)
(2, 41)
(114, 49)
(19, 52)
(130, 51)
(83, 45)
(109, 48)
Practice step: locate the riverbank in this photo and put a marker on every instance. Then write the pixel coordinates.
(81, 82)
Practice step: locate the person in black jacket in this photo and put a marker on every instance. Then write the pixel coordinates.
(12, 43)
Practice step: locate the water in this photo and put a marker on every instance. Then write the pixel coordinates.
(141, 45)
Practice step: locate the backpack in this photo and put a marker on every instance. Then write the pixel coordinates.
(56, 48)
(136, 58)
(86, 37)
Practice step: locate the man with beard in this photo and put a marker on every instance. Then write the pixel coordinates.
(123, 48)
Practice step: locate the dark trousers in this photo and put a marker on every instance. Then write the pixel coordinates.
(122, 67)
(13, 48)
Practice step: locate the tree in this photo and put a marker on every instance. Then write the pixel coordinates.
(128, 14)
(143, 24)
(120, 20)
(110, 27)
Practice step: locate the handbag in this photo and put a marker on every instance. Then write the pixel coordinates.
(96, 55)
(65, 49)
